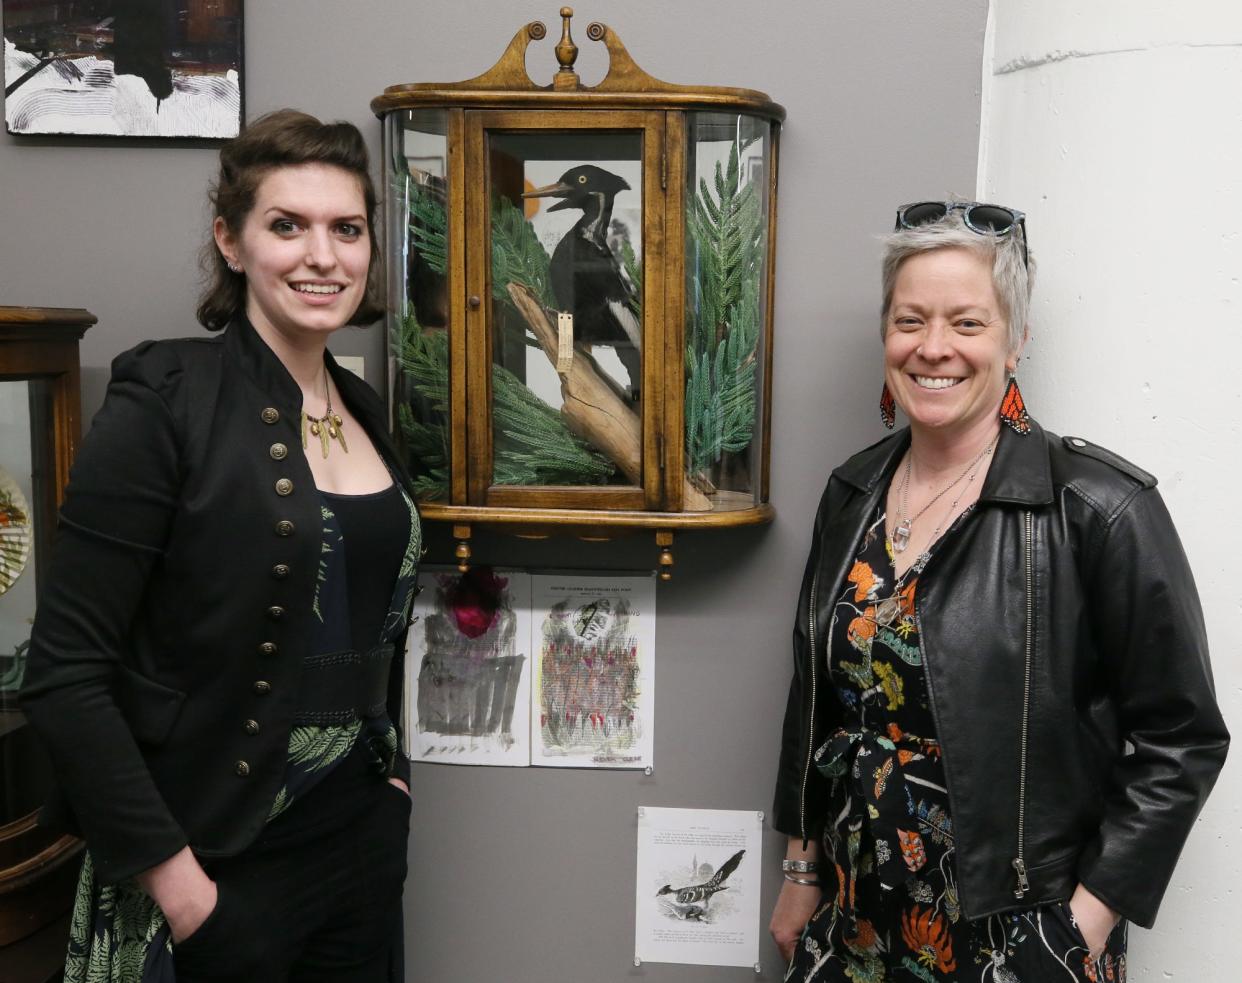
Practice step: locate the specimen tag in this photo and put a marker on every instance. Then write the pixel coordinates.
(564, 342)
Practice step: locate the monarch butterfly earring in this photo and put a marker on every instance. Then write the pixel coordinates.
(888, 407)
(1013, 409)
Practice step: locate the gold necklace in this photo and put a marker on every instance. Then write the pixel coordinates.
(326, 427)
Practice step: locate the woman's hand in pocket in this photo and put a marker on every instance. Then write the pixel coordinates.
(398, 783)
(1095, 920)
(184, 892)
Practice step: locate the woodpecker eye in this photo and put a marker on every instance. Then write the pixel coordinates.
(582, 179)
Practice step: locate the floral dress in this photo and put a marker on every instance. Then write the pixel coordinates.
(118, 934)
(891, 909)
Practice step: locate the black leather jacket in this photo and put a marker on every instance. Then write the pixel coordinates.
(1067, 666)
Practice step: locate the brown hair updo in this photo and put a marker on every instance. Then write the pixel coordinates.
(284, 138)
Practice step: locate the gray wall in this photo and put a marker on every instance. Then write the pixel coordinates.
(527, 875)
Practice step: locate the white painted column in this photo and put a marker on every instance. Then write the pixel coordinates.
(1116, 125)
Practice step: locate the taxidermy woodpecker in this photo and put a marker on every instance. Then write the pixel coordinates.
(691, 902)
(587, 279)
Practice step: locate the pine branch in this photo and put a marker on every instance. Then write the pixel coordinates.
(532, 444)
(517, 254)
(727, 239)
(429, 226)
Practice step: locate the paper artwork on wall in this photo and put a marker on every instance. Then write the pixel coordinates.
(149, 68)
(594, 683)
(697, 886)
(469, 658)
(509, 668)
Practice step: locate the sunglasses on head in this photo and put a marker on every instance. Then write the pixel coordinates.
(979, 217)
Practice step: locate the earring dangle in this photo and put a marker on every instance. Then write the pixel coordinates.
(233, 267)
(888, 407)
(1013, 408)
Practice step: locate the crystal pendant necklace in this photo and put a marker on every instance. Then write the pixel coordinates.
(901, 534)
(326, 427)
(888, 610)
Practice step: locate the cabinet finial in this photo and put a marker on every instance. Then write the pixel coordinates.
(566, 54)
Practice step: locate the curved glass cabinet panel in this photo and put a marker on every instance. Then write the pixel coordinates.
(728, 182)
(417, 199)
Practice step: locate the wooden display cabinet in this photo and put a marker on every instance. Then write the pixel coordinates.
(40, 425)
(581, 282)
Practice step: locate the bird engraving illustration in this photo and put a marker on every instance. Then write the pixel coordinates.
(588, 280)
(690, 903)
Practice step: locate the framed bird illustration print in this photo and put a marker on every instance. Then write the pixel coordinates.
(581, 327)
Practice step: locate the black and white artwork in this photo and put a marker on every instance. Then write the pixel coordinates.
(135, 68)
(469, 658)
(697, 886)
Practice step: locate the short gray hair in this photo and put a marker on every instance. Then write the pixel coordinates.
(1011, 278)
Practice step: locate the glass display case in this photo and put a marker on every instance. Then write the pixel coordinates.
(39, 429)
(580, 287)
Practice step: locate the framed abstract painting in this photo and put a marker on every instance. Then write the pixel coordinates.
(129, 68)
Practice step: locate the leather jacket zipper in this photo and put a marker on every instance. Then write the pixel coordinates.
(810, 731)
(1019, 862)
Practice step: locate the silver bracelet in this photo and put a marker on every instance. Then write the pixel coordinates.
(799, 866)
(800, 880)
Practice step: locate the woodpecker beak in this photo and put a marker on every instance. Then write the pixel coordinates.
(558, 190)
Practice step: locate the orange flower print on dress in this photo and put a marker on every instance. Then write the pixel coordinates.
(866, 937)
(862, 629)
(1088, 969)
(912, 850)
(863, 579)
(906, 597)
(928, 937)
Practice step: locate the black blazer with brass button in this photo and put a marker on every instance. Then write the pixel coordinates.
(165, 656)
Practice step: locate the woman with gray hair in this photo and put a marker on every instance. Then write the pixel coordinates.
(990, 614)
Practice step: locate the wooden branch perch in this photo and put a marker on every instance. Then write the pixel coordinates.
(591, 407)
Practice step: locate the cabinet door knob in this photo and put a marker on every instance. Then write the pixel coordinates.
(474, 302)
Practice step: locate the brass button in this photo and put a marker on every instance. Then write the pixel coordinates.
(251, 727)
(284, 528)
(284, 486)
(270, 414)
(262, 687)
(242, 769)
(275, 612)
(280, 571)
(278, 451)
(267, 648)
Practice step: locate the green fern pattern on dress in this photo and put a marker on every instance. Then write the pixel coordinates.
(313, 749)
(128, 921)
(329, 527)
